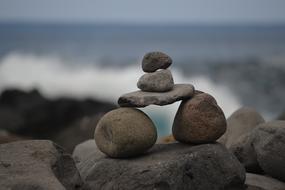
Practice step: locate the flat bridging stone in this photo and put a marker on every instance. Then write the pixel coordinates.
(142, 99)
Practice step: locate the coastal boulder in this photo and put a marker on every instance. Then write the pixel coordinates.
(241, 122)
(37, 164)
(199, 120)
(155, 60)
(244, 150)
(159, 81)
(125, 132)
(167, 167)
(269, 145)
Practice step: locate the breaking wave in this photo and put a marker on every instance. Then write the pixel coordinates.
(54, 77)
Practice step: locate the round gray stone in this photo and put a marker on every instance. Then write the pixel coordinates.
(125, 132)
(159, 81)
(155, 60)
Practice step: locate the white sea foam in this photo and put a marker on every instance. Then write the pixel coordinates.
(54, 77)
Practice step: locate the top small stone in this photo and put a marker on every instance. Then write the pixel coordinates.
(155, 60)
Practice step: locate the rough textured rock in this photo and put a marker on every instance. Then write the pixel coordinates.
(269, 145)
(155, 60)
(241, 122)
(263, 182)
(159, 81)
(199, 120)
(244, 150)
(37, 164)
(142, 99)
(84, 150)
(167, 167)
(125, 132)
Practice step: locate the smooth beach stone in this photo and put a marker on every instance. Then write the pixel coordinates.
(125, 132)
(159, 81)
(155, 60)
(199, 120)
(142, 99)
(173, 166)
(239, 123)
(269, 145)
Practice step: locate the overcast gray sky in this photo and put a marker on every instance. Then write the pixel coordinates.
(144, 11)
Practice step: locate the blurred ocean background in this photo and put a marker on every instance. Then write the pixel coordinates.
(240, 65)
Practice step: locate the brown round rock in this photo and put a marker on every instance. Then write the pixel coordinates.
(199, 120)
(155, 60)
(125, 132)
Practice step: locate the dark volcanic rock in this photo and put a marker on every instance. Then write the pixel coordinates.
(30, 114)
(155, 60)
(6, 137)
(159, 81)
(142, 99)
(167, 167)
(125, 132)
(36, 164)
(199, 120)
(269, 145)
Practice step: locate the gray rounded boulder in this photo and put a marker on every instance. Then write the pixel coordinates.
(243, 149)
(241, 122)
(125, 132)
(269, 145)
(199, 120)
(155, 60)
(159, 81)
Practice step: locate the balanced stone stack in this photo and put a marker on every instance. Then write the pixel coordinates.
(127, 131)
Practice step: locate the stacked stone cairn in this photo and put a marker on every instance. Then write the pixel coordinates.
(127, 131)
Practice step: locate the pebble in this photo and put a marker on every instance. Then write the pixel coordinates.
(159, 81)
(155, 60)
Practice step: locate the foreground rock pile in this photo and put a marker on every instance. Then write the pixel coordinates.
(127, 132)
